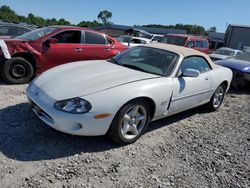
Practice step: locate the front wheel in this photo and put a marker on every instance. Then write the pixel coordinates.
(217, 98)
(130, 122)
(16, 70)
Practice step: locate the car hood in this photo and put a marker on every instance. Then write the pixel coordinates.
(86, 77)
(13, 40)
(240, 65)
(218, 56)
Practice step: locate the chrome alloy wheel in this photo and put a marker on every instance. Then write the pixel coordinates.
(133, 121)
(218, 97)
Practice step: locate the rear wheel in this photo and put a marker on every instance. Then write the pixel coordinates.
(217, 98)
(17, 70)
(130, 122)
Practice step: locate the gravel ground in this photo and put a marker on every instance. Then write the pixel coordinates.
(192, 149)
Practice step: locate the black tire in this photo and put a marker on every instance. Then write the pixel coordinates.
(16, 70)
(211, 105)
(115, 130)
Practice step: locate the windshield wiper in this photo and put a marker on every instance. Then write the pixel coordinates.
(140, 69)
(133, 67)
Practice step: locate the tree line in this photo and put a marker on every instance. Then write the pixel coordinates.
(191, 29)
(9, 15)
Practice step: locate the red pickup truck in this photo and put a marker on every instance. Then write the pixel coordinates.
(198, 43)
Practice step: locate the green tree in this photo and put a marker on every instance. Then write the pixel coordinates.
(63, 22)
(89, 23)
(7, 14)
(212, 29)
(52, 21)
(7, 10)
(104, 16)
(191, 29)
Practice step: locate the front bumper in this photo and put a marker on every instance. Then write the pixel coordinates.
(240, 78)
(75, 124)
(241, 75)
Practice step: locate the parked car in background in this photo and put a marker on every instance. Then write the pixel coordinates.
(133, 41)
(8, 30)
(197, 43)
(223, 53)
(124, 39)
(156, 37)
(120, 96)
(240, 65)
(136, 41)
(41, 49)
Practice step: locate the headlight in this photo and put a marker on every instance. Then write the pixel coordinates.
(75, 106)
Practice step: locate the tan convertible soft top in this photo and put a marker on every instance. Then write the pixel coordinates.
(182, 50)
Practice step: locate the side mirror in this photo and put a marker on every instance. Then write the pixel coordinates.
(191, 73)
(51, 41)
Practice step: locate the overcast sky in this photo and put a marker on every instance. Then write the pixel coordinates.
(206, 13)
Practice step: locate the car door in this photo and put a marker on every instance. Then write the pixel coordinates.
(191, 91)
(96, 46)
(68, 48)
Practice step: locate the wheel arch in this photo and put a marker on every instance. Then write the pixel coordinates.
(149, 101)
(226, 84)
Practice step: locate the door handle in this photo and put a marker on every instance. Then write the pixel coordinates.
(77, 49)
(107, 49)
(206, 78)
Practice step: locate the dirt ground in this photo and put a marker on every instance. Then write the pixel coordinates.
(192, 149)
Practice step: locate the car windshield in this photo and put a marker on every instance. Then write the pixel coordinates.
(157, 38)
(180, 41)
(147, 59)
(145, 35)
(36, 34)
(224, 52)
(244, 56)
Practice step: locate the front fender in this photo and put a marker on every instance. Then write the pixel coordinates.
(111, 100)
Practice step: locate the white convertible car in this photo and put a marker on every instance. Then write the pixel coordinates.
(120, 96)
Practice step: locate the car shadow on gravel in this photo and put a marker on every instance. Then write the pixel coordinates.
(239, 91)
(24, 137)
(1, 82)
(175, 118)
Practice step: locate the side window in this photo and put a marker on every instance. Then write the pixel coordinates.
(198, 44)
(196, 63)
(4, 30)
(94, 38)
(14, 31)
(190, 44)
(204, 44)
(73, 37)
(23, 30)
